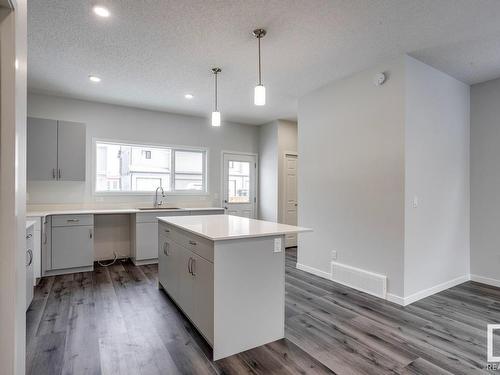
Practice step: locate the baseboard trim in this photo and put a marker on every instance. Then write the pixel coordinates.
(314, 271)
(435, 289)
(485, 280)
(405, 301)
(395, 299)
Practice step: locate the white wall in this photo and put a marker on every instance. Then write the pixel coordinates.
(132, 124)
(351, 174)
(268, 172)
(437, 173)
(485, 181)
(13, 48)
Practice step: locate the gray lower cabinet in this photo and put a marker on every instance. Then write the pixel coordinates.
(144, 233)
(188, 278)
(71, 242)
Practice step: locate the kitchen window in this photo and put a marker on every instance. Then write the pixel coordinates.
(136, 168)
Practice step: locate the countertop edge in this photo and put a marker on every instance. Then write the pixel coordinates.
(236, 237)
(112, 211)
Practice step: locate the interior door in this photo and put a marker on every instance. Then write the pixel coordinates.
(291, 205)
(239, 184)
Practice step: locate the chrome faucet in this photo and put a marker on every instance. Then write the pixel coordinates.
(160, 202)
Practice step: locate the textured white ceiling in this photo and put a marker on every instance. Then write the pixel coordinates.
(150, 53)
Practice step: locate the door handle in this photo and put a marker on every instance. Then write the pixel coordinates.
(165, 248)
(30, 253)
(189, 265)
(59, 174)
(53, 173)
(45, 238)
(73, 220)
(193, 267)
(29, 236)
(90, 233)
(192, 242)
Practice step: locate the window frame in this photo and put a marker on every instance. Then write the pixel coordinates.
(173, 148)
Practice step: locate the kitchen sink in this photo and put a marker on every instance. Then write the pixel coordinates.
(158, 208)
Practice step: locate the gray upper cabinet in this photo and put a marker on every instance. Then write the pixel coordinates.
(56, 150)
(71, 151)
(42, 149)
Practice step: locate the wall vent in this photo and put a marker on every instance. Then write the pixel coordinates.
(365, 281)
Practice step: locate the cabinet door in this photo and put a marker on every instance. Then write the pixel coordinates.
(168, 258)
(71, 151)
(185, 297)
(146, 241)
(41, 149)
(72, 247)
(204, 296)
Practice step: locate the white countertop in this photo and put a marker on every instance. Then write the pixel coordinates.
(41, 212)
(228, 227)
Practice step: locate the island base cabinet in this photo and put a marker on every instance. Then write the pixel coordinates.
(168, 264)
(203, 313)
(188, 279)
(185, 297)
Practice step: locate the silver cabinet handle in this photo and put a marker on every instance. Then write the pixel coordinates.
(59, 173)
(45, 238)
(165, 249)
(73, 220)
(53, 173)
(30, 254)
(167, 230)
(189, 265)
(91, 234)
(29, 236)
(192, 242)
(193, 267)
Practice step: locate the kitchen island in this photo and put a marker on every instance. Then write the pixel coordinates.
(227, 274)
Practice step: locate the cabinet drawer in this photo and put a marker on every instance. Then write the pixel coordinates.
(196, 244)
(72, 220)
(152, 217)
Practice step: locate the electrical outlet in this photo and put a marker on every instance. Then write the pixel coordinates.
(415, 201)
(334, 255)
(277, 245)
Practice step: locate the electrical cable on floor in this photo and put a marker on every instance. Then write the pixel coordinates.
(111, 262)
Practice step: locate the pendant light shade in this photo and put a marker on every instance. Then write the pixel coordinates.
(215, 112)
(259, 97)
(216, 118)
(260, 90)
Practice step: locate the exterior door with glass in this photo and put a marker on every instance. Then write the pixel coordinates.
(239, 184)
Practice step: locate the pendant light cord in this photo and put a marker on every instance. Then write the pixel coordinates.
(260, 75)
(215, 91)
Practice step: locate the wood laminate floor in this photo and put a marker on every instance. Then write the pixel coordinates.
(115, 321)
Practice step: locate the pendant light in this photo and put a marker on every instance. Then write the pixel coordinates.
(260, 89)
(216, 113)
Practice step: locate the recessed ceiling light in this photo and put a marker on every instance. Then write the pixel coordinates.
(94, 78)
(189, 96)
(101, 11)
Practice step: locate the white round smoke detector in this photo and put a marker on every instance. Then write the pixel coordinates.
(379, 79)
